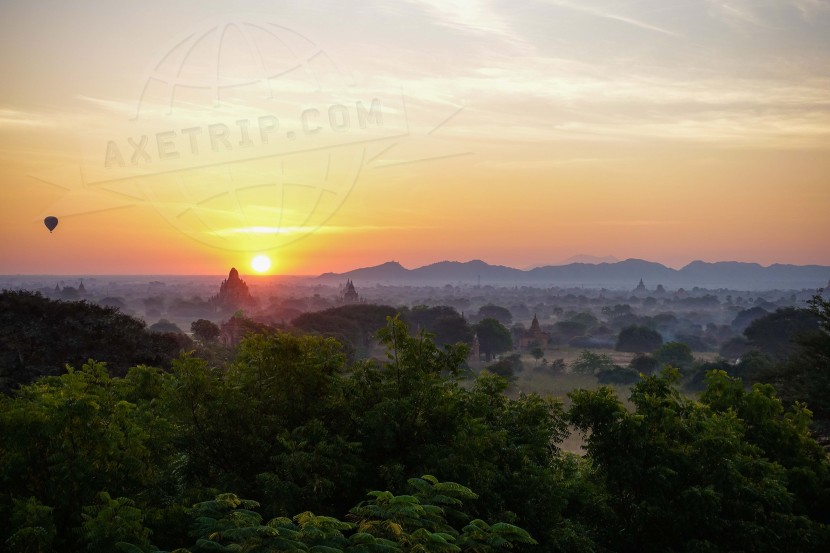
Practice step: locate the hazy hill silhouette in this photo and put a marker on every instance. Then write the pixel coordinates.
(620, 275)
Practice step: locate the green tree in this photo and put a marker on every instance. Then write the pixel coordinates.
(269, 404)
(506, 367)
(782, 436)
(413, 419)
(558, 366)
(354, 325)
(675, 354)
(31, 527)
(205, 331)
(537, 353)
(666, 480)
(432, 519)
(751, 366)
(444, 322)
(745, 317)
(643, 363)
(493, 337)
(589, 362)
(67, 438)
(501, 314)
(112, 523)
(638, 339)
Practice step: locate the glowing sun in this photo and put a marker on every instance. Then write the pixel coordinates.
(261, 263)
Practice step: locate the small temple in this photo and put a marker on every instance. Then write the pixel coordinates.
(641, 288)
(534, 336)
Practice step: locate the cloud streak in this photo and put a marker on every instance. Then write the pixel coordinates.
(605, 14)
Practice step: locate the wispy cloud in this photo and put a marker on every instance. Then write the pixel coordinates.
(476, 16)
(737, 12)
(811, 8)
(766, 15)
(606, 14)
(17, 118)
(294, 230)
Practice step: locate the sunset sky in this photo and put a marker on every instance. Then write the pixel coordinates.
(187, 137)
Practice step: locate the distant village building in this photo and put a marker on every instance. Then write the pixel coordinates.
(641, 288)
(534, 336)
(233, 293)
(660, 290)
(350, 295)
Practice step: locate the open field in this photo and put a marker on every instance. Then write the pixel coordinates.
(536, 379)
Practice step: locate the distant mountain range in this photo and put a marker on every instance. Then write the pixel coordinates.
(591, 259)
(616, 275)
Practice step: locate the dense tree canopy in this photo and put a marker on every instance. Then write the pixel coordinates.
(674, 354)
(665, 494)
(444, 322)
(350, 324)
(775, 334)
(805, 374)
(39, 336)
(288, 445)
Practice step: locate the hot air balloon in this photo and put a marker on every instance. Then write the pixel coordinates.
(51, 223)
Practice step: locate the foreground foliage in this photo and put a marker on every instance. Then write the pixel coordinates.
(159, 460)
(732, 472)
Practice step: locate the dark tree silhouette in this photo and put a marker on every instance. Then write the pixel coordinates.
(773, 334)
(493, 337)
(39, 336)
(205, 331)
(638, 339)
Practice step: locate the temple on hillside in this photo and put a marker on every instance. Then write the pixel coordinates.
(641, 288)
(233, 293)
(534, 336)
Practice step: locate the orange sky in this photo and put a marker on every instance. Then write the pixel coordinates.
(329, 138)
